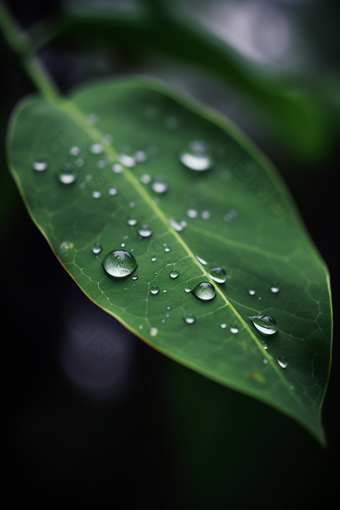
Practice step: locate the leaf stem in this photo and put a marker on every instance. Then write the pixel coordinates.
(20, 46)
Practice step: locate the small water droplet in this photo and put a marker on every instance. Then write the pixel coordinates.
(196, 157)
(204, 291)
(132, 221)
(39, 164)
(176, 224)
(153, 331)
(74, 151)
(117, 168)
(140, 156)
(107, 139)
(154, 290)
(126, 159)
(205, 215)
(163, 320)
(140, 326)
(145, 231)
(122, 245)
(96, 248)
(134, 277)
(192, 213)
(112, 191)
(264, 345)
(187, 289)
(131, 205)
(218, 274)
(96, 194)
(167, 249)
(92, 119)
(67, 175)
(265, 361)
(233, 330)
(275, 288)
(165, 290)
(230, 215)
(159, 185)
(174, 274)
(200, 260)
(252, 292)
(154, 258)
(167, 315)
(119, 263)
(223, 325)
(189, 318)
(101, 163)
(282, 362)
(145, 178)
(96, 148)
(168, 307)
(264, 324)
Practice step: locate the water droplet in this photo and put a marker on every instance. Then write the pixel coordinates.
(131, 205)
(153, 331)
(168, 307)
(166, 315)
(125, 158)
(145, 231)
(233, 330)
(187, 289)
(140, 326)
(140, 156)
(218, 274)
(252, 292)
(176, 224)
(223, 325)
(205, 215)
(196, 157)
(265, 361)
(154, 290)
(282, 362)
(67, 175)
(119, 263)
(264, 345)
(96, 248)
(39, 165)
(122, 245)
(154, 258)
(192, 213)
(264, 324)
(201, 261)
(275, 288)
(107, 139)
(92, 119)
(117, 168)
(189, 318)
(165, 290)
(101, 163)
(204, 291)
(230, 215)
(74, 151)
(96, 194)
(167, 249)
(171, 123)
(159, 185)
(145, 178)
(174, 274)
(96, 148)
(112, 191)
(134, 277)
(132, 221)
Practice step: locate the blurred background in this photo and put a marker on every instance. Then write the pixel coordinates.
(91, 416)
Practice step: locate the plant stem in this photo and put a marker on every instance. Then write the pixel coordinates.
(20, 46)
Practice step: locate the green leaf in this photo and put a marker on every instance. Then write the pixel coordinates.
(246, 223)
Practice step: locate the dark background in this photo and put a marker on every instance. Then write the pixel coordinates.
(156, 434)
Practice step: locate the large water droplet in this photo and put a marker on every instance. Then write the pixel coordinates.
(275, 288)
(96, 148)
(145, 231)
(218, 274)
(192, 213)
(96, 248)
(189, 318)
(154, 290)
(282, 362)
(264, 324)
(159, 185)
(196, 157)
(39, 164)
(67, 175)
(174, 274)
(204, 291)
(119, 263)
(132, 221)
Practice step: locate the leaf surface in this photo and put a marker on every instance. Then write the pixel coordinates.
(237, 215)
